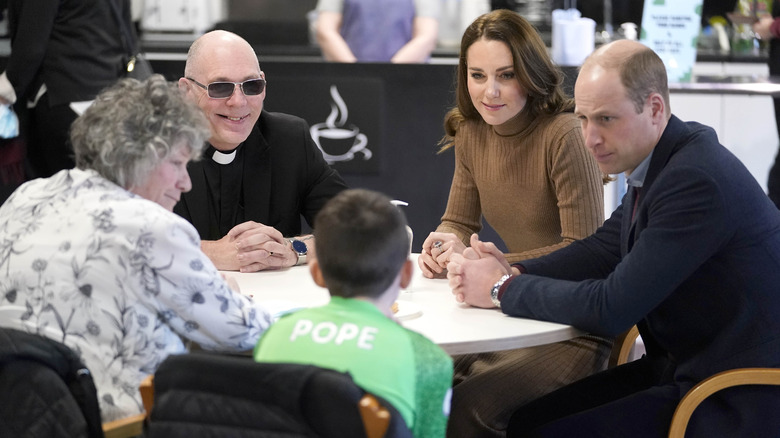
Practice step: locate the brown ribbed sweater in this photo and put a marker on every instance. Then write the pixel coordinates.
(537, 186)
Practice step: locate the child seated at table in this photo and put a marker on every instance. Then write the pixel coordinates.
(362, 257)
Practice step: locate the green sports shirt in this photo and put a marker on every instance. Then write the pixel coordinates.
(349, 335)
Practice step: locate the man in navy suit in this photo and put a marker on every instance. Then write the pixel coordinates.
(692, 257)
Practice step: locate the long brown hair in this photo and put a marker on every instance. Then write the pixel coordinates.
(533, 69)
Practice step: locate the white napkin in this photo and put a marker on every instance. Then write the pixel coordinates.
(279, 308)
(573, 37)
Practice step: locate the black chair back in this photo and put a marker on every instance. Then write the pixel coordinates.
(204, 395)
(45, 389)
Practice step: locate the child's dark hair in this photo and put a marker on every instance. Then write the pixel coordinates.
(362, 243)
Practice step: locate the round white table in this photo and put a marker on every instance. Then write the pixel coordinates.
(427, 307)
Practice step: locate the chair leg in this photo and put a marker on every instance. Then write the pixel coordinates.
(622, 347)
(147, 393)
(376, 419)
(125, 427)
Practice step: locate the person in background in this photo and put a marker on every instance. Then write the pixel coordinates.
(398, 31)
(262, 171)
(362, 258)
(62, 55)
(521, 161)
(691, 256)
(768, 28)
(94, 258)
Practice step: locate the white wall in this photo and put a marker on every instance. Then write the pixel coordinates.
(745, 124)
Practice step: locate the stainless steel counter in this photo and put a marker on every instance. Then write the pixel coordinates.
(744, 85)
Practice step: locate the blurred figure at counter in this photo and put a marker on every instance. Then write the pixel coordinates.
(521, 161)
(62, 54)
(399, 31)
(261, 171)
(768, 28)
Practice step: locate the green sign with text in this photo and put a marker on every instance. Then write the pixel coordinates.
(671, 29)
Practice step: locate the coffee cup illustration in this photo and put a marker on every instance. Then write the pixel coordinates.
(337, 140)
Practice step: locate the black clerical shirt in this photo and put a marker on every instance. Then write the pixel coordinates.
(226, 200)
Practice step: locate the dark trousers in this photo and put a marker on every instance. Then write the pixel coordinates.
(773, 184)
(48, 142)
(637, 399)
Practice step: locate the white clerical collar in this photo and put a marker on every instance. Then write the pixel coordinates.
(223, 158)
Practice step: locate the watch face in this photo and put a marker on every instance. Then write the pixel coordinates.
(299, 247)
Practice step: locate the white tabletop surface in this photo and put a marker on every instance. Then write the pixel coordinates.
(427, 307)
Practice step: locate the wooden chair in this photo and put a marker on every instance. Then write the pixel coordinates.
(376, 418)
(147, 392)
(125, 427)
(711, 385)
(298, 398)
(622, 346)
(685, 408)
(134, 425)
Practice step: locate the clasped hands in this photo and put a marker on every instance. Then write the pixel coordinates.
(471, 272)
(437, 250)
(251, 247)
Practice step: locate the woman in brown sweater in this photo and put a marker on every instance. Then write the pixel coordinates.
(521, 162)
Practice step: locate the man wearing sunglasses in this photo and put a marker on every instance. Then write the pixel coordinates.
(260, 172)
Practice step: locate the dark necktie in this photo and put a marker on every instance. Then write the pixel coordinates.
(636, 202)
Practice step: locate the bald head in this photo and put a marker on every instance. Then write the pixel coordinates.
(621, 99)
(221, 56)
(216, 41)
(641, 70)
(614, 54)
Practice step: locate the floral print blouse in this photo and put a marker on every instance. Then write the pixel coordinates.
(117, 278)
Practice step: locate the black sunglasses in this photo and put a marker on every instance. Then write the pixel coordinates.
(223, 90)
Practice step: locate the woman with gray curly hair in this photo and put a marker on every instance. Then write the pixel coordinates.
(132, 127)
(93, 257)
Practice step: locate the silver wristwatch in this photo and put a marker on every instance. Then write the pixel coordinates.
(300, 249)
(496, 287)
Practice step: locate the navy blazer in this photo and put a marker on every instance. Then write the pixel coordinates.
(284, 177)
(698, 269)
